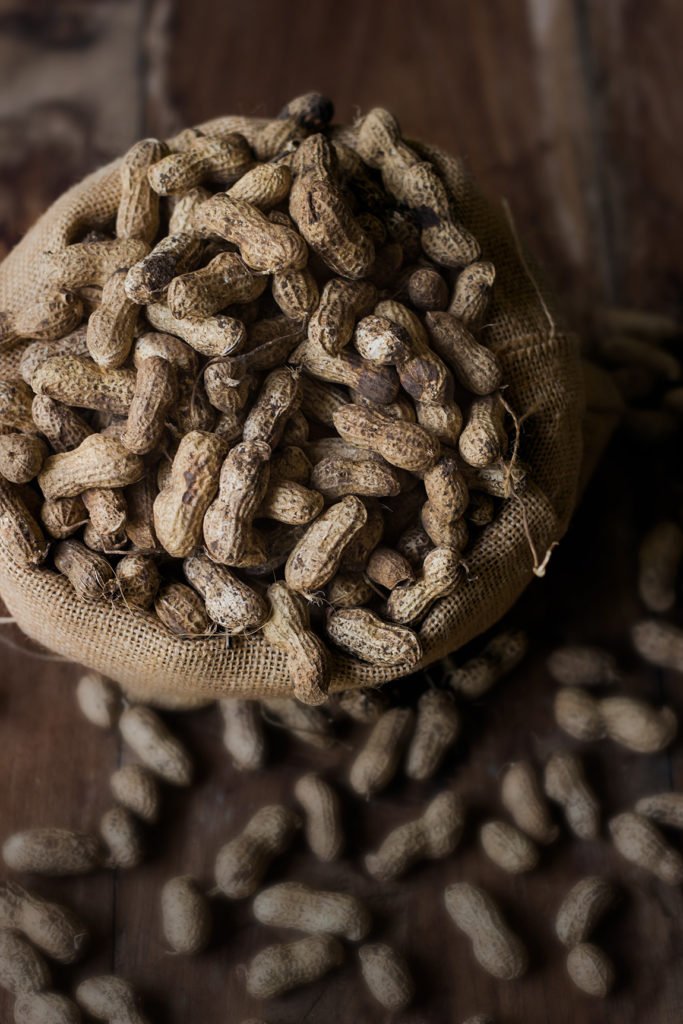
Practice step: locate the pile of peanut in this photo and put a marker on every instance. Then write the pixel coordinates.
(267, 370)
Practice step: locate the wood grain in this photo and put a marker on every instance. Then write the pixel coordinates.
(572, 112)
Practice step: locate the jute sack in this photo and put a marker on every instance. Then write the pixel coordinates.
(542, 370)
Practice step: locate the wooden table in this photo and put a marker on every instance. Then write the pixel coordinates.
(570, 110)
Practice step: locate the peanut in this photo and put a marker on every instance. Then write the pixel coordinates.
(279, 398)
(436, 729)
(180, 507)
(565, 783)
(63, 428)
(21, 457)
(242, 863)
(341, 303)
(433, 836)
(375, 765)
(279, 969)
(499, 657)
(380, 340)
(472, 293)
(99, 700)
(311, 111)
(296, 293)
(182, 610)
(293, 905)
(387, 976)
(138, 212)
(475, 366)
(107, 509)
(632, 723)
(349, 590)
(641, 843)
(507, 847)
(424, 376)
(148, 280)
(138, 580)
(109, 998)
(660, 556)
(134, 787)
(660, 643)
(322, 825)
(77, 381)
(221, 161)
(111, 327)
(481, 510)
(402, 444)
(53, 929)
(590, 969)
(91, 575)
(388, 568)
(45, 1008)
(495, 947)
(441, 574)
(92, 263)
(320, 401)
(582, 666)
(229, 602)
(139, 525)
(263, 186)
(484, 439)
(379, 383)
(22, 968)
(288, 630)
(186, 915)
(147, 736)
(291, 503)
(98, 462)
(522, 797)
(21, 538)
(211, 336)
(664, 808)
(316, 557)
(228, 530)
(52, 851)
(243, 734)
(427, 289)
(365, 635)
(414, 544)
(49, 319)
(155, 391)
(265, 247)
(121, 836)
(336, 478)
(223, 281)
(307, 724)
(582, 908)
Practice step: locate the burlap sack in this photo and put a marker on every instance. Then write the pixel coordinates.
(542, 369)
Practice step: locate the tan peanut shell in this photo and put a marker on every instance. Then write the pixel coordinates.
(496, 948)
(243, 733)
(432, 836)
(138, 212)
(475, 366)
(472, 293)
(109, 998)
(21, 457)
(507, 847)
(180, 507)
(387, 976)
(402, 444)
(659, 557)
(148, 279)
(20, 535)
(185, 915)
(182, 610)
(48, 319)
(296, 293)
(375, 765)
(211, 336)
(138, 580)
(228, 529)
(222, 282)
(578, 714)
(641, 843)
(122, 838)
(53, 929)
(437, 727)
(358, 551)
(111, 327)
(63, 428)
(52, 851)
(660, 643)
(590, 969)
(381, 340)
(575, 665)
(336, 478)
(341, 304)
(222, 160)
(362, 633)
(317, 555)
(322, 816)
(287, 628)
(427, 289)
(145, 733)
(663, 808)
(77, 381)
(242, 862)
(278, 969)
(91, 263)
(15, 406)
(45, 1008)
(265, 247)
(378, 383)
(522, 797)
(565, 783)
(294, 905)
(290, 502)
(98, 461)
(263, 186)
(483, 439)
(155, 391)
(99, 700)
(388, 568)
(135, 787)
(349, 590)
(279, 398)
(89, 573)
(22, 968)
(229, 601)
(582, 908)
(441, 574)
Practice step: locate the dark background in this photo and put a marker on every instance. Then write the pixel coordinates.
(573, 112)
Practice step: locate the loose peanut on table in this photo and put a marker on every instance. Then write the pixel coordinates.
(497, 949)
(294, 905)
(53, 929)
(242, 862)
(432, 836)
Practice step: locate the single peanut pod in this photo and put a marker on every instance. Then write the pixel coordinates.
(664, 808)
(91, 263)
(107, 509)
(53, 929)
(290, 502)
(475, 366)
(472, 293)
(45, 1008)
(52, 851)
(21, 538)
(388, 568)
(484, 440)
(149, 278)
(221, 160)
(444, 533)
(21, 457)
(381, 340)
(579, 714)
(499, 657)
(211, 336)
(185, 916)
(229, 602)
(290, 464)
(575, 665)
(242, 862)
(279, 398)
(263, 186)
(294, 905)
(565, 783)
(637, 725)
(138, 580)
(183, 611)
(590, 969)
(441, 574)
(522, 797)
(63, 428)
(243, 733)
(402, 444)
(77, 381)
(134, 787)
(265, 247)
(316, 556)
(433, 836)
(155, 391)
(437, 727)
(446, 488)
(364, 635)
(660, 556)
(222, 282)
(91, 575)
(109, 998)
(121, 836)
(308, 724)
(273, 139)
(322, 816)
(387, 976)
(99, 700)
(496, 948)
(427, 289)
(424, 376)
(582, 908)
(341, 303)
(62, 517)
(336, 478)
(48, 319)
(22, 968)
(138, 212)
(378, 383)
(228, 531)
(374, 767)
(362, 705)
(111, 328)
(278, 969)
(312, 111)
(97, 462)
(223, 392)
(507, 847)
(287, 628)
(349, 590)
(319, 401)
(147, 736)
(179, 509)
(641, 842)
(660, 643)
(296, 293)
